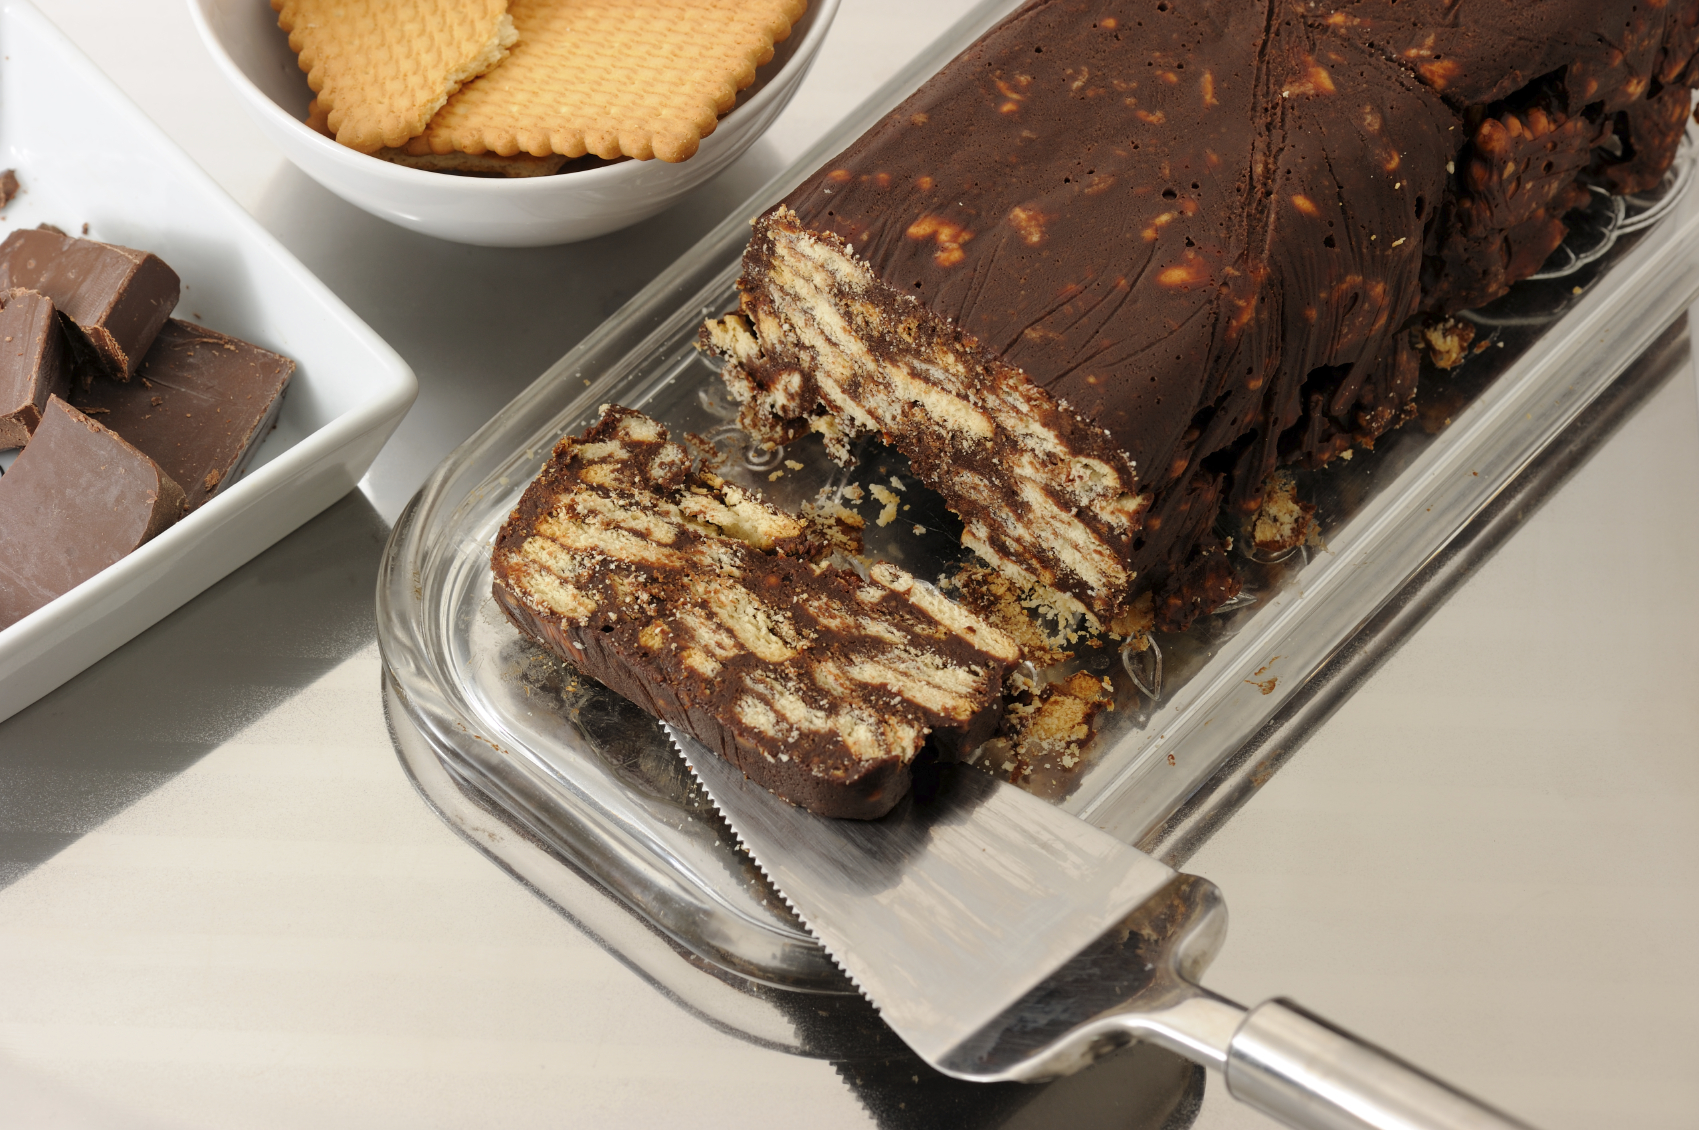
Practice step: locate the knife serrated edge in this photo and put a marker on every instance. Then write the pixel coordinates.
(1199, 1027)
(678, 747)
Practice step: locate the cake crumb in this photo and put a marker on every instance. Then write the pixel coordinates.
(1136, 620)
(888, 513)
(1284, 522)
(1447, 341)
(1048, 732)
(835, 526)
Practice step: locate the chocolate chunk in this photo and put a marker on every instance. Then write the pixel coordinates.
(702, 603)
(115, 298)
(200, 405)
(33, 364)
(8, 186)
(76, 500)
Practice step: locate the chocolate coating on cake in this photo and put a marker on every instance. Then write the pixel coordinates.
(703, 604)
(1200, 225)
(1040, 491)
(76, 500)
(34, 364)
(1515, 180)
(1474, 52)
(113, 298)
(200, 405)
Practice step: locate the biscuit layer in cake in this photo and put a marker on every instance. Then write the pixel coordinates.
(709, 608)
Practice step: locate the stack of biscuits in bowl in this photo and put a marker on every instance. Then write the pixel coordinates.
(519, 88)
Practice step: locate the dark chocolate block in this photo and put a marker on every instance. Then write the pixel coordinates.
(704, 605)
(115, 298)
(1197, 233)
(34, 364)
(200, 405)
(77, 499)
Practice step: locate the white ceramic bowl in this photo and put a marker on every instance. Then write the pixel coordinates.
(254, 56)
(137, 188)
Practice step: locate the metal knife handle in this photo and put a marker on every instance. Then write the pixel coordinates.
(1300, 1069)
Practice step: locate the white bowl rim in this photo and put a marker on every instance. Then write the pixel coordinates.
(365, 164)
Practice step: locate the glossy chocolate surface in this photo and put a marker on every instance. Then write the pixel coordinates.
(116, 298)
(76, 500)
(199, 405)
(34, 364)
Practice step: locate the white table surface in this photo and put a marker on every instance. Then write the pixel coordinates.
(222, 905)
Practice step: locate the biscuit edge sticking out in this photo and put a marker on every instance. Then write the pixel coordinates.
(349, 49)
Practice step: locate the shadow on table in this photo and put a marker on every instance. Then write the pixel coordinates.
(163, 701)
(1140, 1087)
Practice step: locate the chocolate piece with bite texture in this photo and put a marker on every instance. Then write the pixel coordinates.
(76, 500)
(200, 405)
(33, 364)
(706, 606)
(114, 298)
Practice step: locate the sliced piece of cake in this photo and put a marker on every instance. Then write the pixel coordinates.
(713, 610)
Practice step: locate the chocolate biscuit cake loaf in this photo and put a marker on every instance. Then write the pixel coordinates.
(1121, 259)
(714, 611)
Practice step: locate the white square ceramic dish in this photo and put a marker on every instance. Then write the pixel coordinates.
(86, 154)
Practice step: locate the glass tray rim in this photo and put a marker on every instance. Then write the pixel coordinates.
(842, 1026)
(1554, 379)
(604, 834)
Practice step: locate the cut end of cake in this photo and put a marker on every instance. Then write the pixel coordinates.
(820, 344)
(717, 612)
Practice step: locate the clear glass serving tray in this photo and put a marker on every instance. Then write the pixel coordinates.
(592, 775)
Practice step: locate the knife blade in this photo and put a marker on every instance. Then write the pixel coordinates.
(1003, 939)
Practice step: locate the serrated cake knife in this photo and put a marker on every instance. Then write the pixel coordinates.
(1004, 939)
